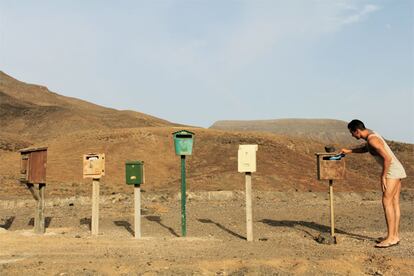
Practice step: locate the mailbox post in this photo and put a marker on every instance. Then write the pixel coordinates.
(183, 143)
(330, 166)
(134, 175)
(33, 171)
(94, 167)
(247, 164)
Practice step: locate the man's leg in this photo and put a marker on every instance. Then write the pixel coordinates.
(387, 202)
(396, 204)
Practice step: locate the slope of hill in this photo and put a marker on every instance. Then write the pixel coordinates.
(71, 128)
(324, 130)
(35, 112)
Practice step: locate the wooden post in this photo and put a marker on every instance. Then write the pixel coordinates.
(40, 208)
(95, 207)
(137, 195)
(332, 208)
(249, 216)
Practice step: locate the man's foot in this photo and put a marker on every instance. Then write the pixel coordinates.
(386, 244)
(381, 239)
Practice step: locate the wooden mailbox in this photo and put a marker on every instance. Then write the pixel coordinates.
(329, 169)
(33, 165)
(93, 165)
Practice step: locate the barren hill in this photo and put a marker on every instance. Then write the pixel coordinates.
(71, 128)
(34, 112)
(324, 130)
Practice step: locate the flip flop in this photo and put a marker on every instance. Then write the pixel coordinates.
(387, 245)
(380, 239)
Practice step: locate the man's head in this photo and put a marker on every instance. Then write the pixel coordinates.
(356, 128)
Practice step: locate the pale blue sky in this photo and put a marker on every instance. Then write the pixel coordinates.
(195, 62)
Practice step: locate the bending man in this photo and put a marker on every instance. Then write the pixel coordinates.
(392, 173)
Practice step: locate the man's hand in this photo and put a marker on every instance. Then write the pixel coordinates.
(346, 151)
(384, 183)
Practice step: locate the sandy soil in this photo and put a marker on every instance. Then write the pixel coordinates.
(285, 228)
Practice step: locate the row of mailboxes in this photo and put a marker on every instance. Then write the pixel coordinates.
(33, 165)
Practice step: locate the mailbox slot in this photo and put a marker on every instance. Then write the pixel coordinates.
(329, 169)
(93, 165)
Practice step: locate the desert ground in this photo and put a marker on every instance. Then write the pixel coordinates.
(286, 226)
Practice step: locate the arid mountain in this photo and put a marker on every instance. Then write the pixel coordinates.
(323, 130)
(71, 128)
(34, 112)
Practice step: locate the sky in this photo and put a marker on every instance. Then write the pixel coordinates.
(199, 61)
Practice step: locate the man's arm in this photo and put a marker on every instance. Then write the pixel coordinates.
(378, 145)
(358, 149)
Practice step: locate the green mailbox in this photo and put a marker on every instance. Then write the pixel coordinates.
(134, 172)
(183, 142)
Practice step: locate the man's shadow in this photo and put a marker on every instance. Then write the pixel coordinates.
(312, 225)
(222, 228)
(157, 219)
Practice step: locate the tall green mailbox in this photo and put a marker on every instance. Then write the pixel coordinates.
(183, 142)
(134, 172)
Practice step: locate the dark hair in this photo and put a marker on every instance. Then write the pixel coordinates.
(356, 124)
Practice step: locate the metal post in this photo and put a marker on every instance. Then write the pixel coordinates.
(332, 208)
(95, 207)
(183, 198)
(249, 216)
(137, 222)
(40, 216)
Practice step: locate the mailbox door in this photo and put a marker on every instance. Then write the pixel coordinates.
(93, 166)
(247, 158)
(331, 169)
(24, 168)
(37, 167)
(134, 173)
(183, 144)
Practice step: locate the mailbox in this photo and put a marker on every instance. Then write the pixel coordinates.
(183, 142)
(329, 168)
(93, 165)
(134, 172)
(33, 165)
(247, 158)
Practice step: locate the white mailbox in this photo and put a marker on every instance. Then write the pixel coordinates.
(247, 158)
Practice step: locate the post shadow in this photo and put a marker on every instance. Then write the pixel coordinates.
(86, 221)
(126, 225)
(157, 219)
(312, 225)
(48, 220)
(8, 223)
(222, 228)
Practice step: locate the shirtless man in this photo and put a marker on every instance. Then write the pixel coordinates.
(392, 173)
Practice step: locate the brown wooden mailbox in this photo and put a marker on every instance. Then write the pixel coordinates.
(93, 165)
(33, 165)
(330, 169)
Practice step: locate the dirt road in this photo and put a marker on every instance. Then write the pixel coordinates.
(285, 228)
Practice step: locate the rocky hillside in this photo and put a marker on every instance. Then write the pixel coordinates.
(31, 115)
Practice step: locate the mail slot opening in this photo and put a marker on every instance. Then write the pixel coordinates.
(184, 136)
(92, 157)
